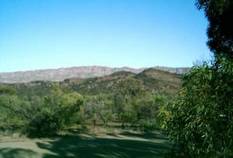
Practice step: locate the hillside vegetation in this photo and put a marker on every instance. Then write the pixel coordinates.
(123, 98)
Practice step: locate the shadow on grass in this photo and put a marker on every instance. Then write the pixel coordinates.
(145, 135)
(17, 153)
(78, 147)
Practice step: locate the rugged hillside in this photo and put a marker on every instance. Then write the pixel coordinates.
(159, 80)
(73, 72)
(152, 80)
(61, 74)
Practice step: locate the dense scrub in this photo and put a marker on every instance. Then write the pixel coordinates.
(38, 116)
(201, 118)
(129, 100)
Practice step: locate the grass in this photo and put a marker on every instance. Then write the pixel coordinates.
(123, 144)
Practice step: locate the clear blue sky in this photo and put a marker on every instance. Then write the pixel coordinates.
(38, 34)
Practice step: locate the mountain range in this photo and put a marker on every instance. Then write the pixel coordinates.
(82, 72)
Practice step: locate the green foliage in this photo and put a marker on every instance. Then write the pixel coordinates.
(14, 111)
(55, 113)
(147, 109)
(201, 119)
(125, 94)
(98, 108)
(38, 115)
(44, 108)
(7, 90)
(44, 123)
(129, 104)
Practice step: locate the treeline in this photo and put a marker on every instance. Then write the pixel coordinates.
(51, 107)
(38, 116)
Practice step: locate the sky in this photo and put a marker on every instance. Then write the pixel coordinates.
(41, 34)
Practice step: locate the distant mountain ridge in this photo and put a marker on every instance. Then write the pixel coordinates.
(61, 74)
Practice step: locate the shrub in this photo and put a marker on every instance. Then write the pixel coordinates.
(43, 124)
(201, 118)
(55, 113)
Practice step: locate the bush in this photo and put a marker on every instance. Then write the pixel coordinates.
(201, 119)
(43, 124)
(55, 113)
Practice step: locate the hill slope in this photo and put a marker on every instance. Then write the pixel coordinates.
(152, 80)
(72, 72)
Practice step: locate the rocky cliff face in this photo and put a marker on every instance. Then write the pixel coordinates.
(72, 72)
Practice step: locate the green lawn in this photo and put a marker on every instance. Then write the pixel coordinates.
(125, 144)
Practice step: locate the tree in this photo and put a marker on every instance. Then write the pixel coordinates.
(125, 93)
(201, 119)
(55, 113)
(147, 109)
(14, 110)
(220, 32)
(7, 90)
(98, 108)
